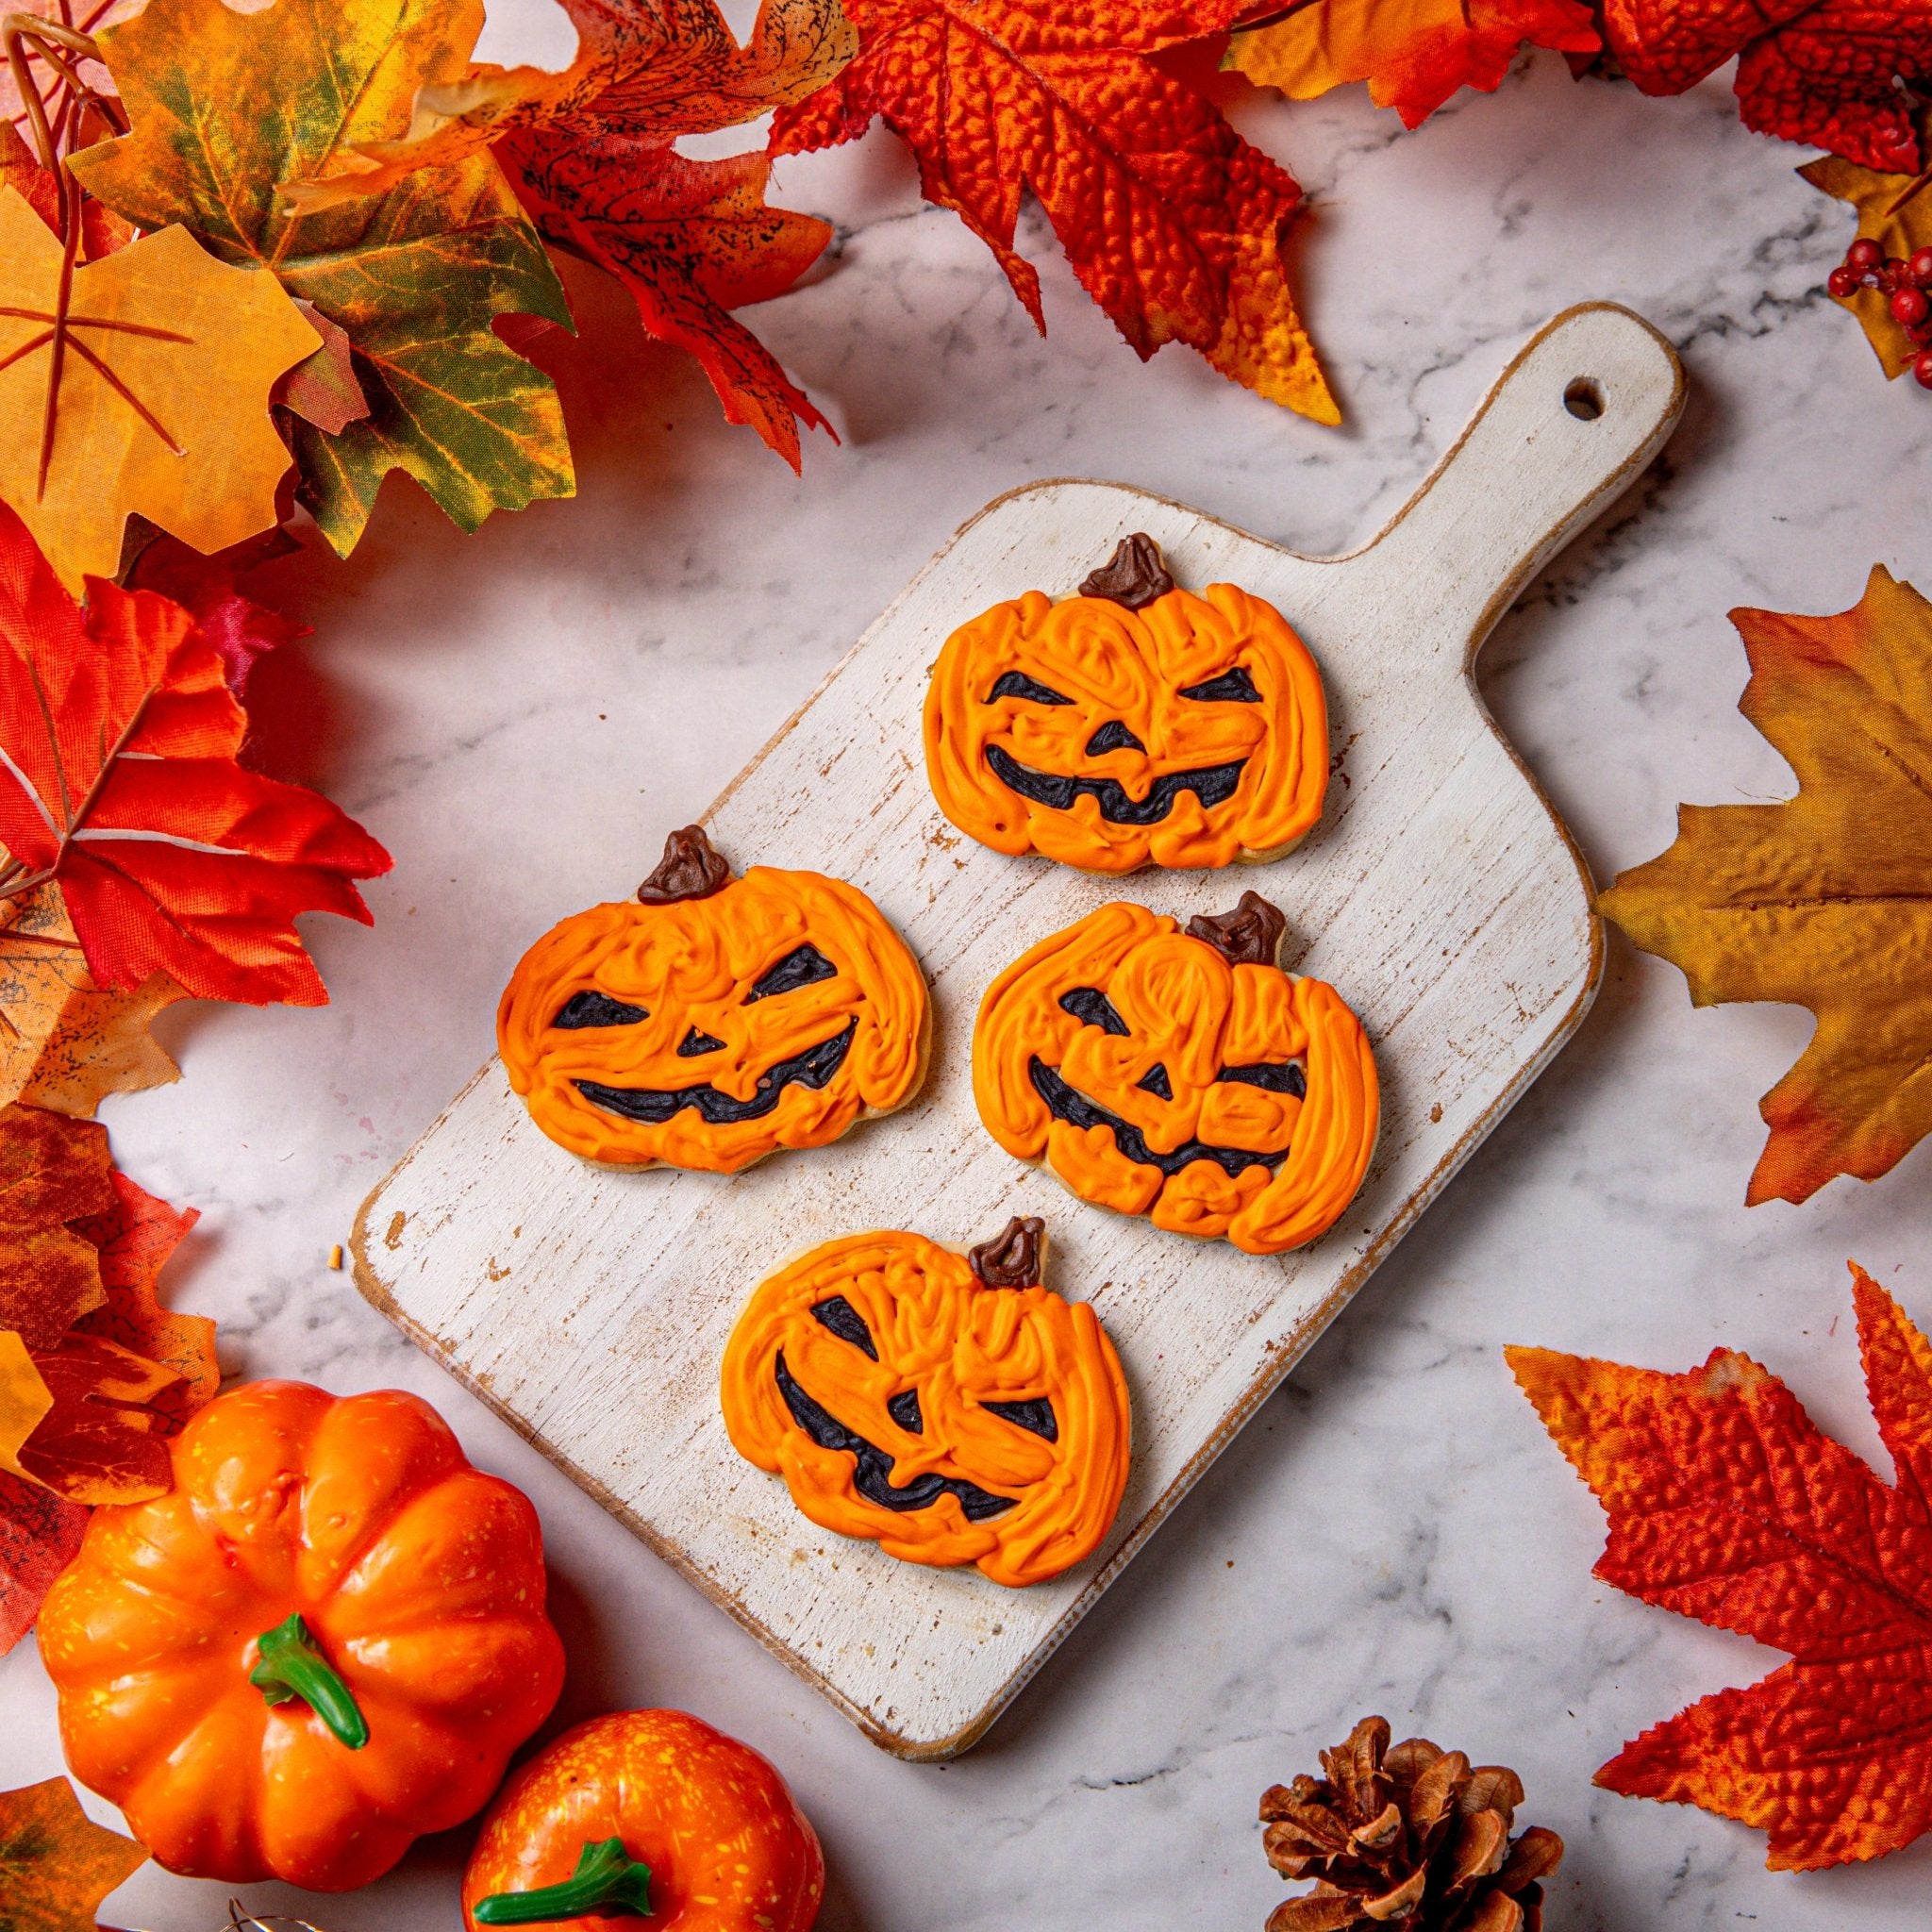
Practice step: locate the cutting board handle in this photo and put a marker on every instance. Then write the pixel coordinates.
(1569, 426)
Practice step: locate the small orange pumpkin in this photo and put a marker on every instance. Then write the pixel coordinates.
(946, 1407)
(1182, 1076)
(1135, 723)
(714, 1019)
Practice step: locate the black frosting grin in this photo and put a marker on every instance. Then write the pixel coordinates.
(1068, 1103)
(1212, 784)
(654, 1105)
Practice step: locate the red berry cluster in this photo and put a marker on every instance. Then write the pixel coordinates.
(1904, 286)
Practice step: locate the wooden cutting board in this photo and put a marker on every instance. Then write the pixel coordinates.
(1440, 894)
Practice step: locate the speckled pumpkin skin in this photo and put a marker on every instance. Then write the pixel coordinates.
(1118, 667)
(729, 1850)
(1187, 1011)
(941, 1332)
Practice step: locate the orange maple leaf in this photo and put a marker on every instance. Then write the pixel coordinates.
(120, 779)
(82, 1418)
(1727, 1504)
(55, 1863)
(1825, 900)
(1170, 220)
(1414, 54)
(53, 1176)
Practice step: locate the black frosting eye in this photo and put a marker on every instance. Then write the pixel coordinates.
(1231, 688)
(1016, 684)
(1035, 1416)
(597, 1009)
(904, 1409)
(846, 1322)
(1278, 1076)
(802, 967)
(1092, 1007)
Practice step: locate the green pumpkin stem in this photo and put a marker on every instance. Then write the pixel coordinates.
(607, 1880)
(293, 1667)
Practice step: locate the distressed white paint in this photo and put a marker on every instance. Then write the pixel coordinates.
(1440, 894)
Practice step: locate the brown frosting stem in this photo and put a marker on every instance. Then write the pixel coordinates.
(1012, 1257)
(691, 868)
(1248, 936)
(1133, 576)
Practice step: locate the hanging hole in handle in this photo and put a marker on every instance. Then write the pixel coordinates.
(1584, 399)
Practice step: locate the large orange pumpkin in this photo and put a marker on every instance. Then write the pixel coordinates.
(325, 1641)
(1182, 1076)
(946, 1407)
(714, 1019)
(1133, 724)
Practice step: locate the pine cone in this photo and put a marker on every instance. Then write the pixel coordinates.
(1410, 1837)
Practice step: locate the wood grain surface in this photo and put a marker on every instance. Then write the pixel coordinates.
(1440, 894)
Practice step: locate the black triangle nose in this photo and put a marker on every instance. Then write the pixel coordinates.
(1155, 1081)
(1112, 735)
(695, 1042)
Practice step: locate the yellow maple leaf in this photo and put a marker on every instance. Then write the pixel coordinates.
(145, 390)
(1825, 900)
(64, 1041)
(24, 1400)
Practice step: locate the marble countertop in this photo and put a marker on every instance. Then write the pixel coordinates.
(519, 716)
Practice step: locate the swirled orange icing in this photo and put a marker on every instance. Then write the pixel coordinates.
(689, 974)
(1021, 1504)
(1181, 1017)
(1124, 676)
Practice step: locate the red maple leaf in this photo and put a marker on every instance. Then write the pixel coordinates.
(118, 777)
(1727, 1504)
(1170, 220)
(1816, 71)
(40, 1535)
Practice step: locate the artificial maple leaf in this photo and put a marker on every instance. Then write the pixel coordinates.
(1170, 220)
(242, 631)
(144, 389)
(40, 1535)
(414, 276)
(135, 1237)
(53, 1174)
(1894, 210)
(120, 782)
(1825, 900)
(55, 1863)
(1727, 1504)
(84, 16)
(590, 150)
(1414, 54)
(95, 1432)
(102, 230)
(1819, 71)
(323, 389)
(64, 1041)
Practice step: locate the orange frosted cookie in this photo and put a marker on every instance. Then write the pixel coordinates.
(714, 1019)
(945, 1407)
(1182, 1076)
(1133, 724)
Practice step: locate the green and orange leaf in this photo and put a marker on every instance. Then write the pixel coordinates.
(55, 1863)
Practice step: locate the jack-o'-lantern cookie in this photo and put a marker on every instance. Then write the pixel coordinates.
(1134, 724)
(945, 1407)
(1181, 1075)
(714, 1019)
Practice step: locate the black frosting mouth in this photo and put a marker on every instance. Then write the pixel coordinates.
(873, 1477)
(654, 1105)
(1068, 1103)
(1212, 784)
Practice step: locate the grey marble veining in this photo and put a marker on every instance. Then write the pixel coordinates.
(521, 714)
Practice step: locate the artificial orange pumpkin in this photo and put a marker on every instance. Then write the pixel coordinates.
(714, 1019)
(325, 1641)
(946, 1407)
(646, 1813)
(1182, 1076)
(1133, 724)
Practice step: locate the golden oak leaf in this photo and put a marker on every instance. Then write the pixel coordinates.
(146, 390)
(1170, 220)
(64, 1041)
(55, 1863)
(136, 1237)
(1728, 1504)
(1824, 901)
(1895, 211)
(53, 1173)
(1414, 54)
